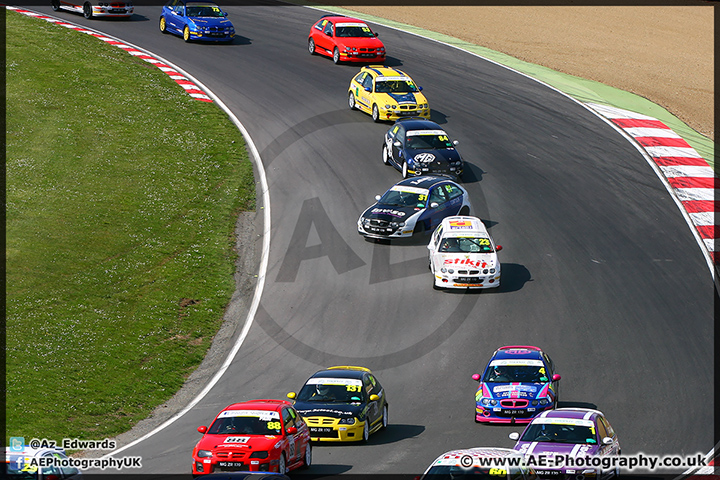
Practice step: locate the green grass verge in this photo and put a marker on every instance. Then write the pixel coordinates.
(122, 196)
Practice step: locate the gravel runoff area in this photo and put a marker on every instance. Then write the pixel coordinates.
(662, 53)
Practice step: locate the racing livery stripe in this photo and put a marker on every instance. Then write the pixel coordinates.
(689, 175)
(191, 88)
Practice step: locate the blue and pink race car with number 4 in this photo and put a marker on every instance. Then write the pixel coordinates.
(518, 383)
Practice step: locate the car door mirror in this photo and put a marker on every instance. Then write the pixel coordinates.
(376, 34)
(455, 142)
(514, 436)
(607, 441)
(431, 247)
(498, 248)
(291, 430)
(434, 205)
(368, 89)
(397, 143)
(377, 198)
(556, 377)
(374, 398)
(202, 429)
(292, 395)
(476, 377)
(419, 89)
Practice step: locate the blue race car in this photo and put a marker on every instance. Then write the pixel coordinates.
(416, 146)
(196, 20)
(414, 205)
(518, 383)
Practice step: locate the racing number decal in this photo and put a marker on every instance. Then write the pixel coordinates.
(274, 426)
(498, 471)
(353, 388)
(485, 241)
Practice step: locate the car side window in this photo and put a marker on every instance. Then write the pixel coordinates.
(360, 77)
(297, 418)
(438, 196)
(602, 431)
(288, 420)
(608, 428)
(377, 388)
(438, 235)
(328, 29)
(320, 25)
(452, 191)
(368, 82)
(394, 130)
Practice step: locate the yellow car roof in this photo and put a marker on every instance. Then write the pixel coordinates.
(349, 367)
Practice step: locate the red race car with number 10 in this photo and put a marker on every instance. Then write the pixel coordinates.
(257, 436)
(345, 39)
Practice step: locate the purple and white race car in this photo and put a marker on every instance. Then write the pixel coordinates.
(569, 443)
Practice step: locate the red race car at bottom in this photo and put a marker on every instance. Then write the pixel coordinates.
(256, 436)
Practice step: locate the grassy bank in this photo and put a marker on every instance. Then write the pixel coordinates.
(122, 197)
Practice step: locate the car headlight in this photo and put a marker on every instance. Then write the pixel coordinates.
(259, 454)
(204, 453)
(492, 270)
(387, 106)
(347, 421)
(397, 224)
(451, 271)
(544, 401)
(443, 270)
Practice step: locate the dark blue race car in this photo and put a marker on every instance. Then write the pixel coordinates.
(414, 205)
(518, 383)
(416, 146)
(196, 20)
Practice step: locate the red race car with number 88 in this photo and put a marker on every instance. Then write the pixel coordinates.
(257, 436)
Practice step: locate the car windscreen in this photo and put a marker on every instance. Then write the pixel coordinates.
(466, 245)
(332, 390)
(428, 141)
(395, 86)
(456, 472)
(204, 11)
(353, 31)
(525, 371)
(247, 422)
(404, 198)
(554, 433)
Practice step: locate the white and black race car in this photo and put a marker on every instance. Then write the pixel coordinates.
(416, 146)
(414, 205)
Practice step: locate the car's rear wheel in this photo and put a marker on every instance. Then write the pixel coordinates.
(405, 170)
(307, 459)
(464, 211)
(163, 25)
(55, 5)
(385, 155)
(311, 46)
(375, 113)
(351, 101)
(336, 56)
(186, 33)
(87, 10)
(385, 417)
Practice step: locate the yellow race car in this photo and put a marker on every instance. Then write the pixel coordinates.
(342, 404)
(387, 93)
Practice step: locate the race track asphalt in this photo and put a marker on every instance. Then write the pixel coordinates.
(599, 267)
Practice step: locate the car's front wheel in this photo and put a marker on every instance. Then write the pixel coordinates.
(385, 417)
(282, 466)
(351, 101)
(385, 155)
(163, 25)
(311, 46)
(375, 113)
(336, 56)
(366, 432)
(87, 11)
(186, 33)
(405, 170)
(55, 5)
